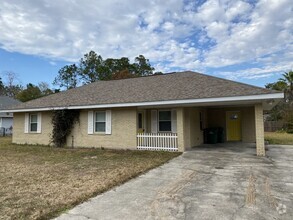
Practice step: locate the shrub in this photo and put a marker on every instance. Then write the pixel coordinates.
(63, 122)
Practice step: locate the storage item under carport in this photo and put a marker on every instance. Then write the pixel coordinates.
(214, 135)
(221, 136)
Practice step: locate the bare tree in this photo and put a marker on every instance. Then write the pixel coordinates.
(45, 88)
(12, 85)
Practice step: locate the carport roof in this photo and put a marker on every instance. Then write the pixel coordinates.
(171, 88)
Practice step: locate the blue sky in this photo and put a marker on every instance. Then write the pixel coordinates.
(247, 41)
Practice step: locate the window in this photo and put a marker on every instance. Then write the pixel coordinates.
(165, 123)
(140, 121)
(100, 121)
(33, 123)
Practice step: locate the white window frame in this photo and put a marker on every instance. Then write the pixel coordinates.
(165, 110)
(28, 123)
(92, 124)
(95, 121)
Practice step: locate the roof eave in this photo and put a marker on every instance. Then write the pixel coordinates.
(217, 100)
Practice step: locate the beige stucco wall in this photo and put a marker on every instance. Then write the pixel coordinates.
(259, 128)
(216, 117)
(188, 128)
(19, 137)
(180, 129)
(123, 135)
(193, 135)
(186, 133)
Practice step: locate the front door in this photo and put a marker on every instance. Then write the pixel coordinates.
(141, 122)
(233, 122)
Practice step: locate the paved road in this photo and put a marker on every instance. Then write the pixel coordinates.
(211, 182)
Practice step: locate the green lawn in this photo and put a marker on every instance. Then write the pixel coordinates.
(279, 138)
(39, 182)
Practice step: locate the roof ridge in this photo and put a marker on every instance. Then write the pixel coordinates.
(136, 77)
(229, 80)
(173, 73)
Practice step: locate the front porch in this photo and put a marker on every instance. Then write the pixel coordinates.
(157, 129)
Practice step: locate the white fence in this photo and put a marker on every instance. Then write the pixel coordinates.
(153, 141)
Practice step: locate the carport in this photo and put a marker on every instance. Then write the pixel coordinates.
(241, 122)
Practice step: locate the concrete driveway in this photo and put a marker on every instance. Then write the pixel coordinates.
(212, 182)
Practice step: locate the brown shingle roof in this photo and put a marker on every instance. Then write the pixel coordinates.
(6, 102)
(172, 86)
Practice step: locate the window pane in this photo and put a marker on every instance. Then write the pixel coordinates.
(101, 116)
(100, 127)
(165, 116)
(165, 126)
(34, 126)
(34, 118)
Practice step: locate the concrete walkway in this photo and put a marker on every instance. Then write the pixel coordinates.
(210, 182)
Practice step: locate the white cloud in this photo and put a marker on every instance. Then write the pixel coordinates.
(175, 35)
(266, 33)
(257, 72)
(217, 31)
(253, 73)
(238, 9)
(53, 63)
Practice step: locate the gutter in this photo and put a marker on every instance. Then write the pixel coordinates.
(263, 97)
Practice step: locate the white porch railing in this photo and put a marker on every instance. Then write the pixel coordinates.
(160, 141)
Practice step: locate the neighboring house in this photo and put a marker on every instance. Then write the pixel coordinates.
(6, 119)
(166, 112)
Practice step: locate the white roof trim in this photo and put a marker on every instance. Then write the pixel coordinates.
(169, 102)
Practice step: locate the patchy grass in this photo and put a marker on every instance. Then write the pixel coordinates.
(279, 138)
(39, 182)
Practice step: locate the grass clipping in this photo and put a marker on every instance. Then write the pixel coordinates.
(272, 201)
(251, 191)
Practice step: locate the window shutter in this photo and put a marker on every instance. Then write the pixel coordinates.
(39, 128)
(174, 120)
(108, 122)
(90, 127)
(26, 122)
(154, 124)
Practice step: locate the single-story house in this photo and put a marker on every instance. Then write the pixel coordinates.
(162, 112)
(6, 118)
